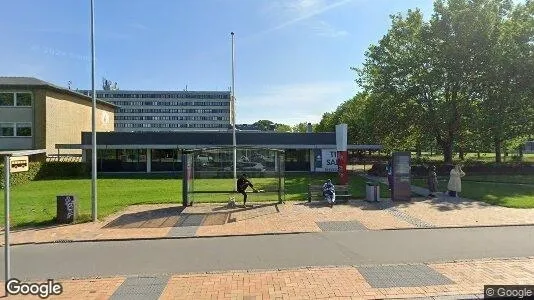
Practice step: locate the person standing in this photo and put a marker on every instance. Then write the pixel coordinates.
(389, 170)
(432, 182)
(455, 181)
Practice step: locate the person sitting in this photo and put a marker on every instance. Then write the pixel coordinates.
(329, 192)
(242, 184)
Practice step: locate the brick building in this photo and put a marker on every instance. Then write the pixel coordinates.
(35, 114)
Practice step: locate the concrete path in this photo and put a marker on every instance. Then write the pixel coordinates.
(267, 252)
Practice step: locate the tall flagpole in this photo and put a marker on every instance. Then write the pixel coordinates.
(93, 117)
(233, 118)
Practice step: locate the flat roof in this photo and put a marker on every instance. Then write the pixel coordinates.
(211, 139)
(31, 82)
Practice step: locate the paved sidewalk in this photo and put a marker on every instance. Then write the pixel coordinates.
(456, 279)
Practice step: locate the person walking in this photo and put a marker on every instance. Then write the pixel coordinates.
(242, 184)
(432, 182)
(455, 181)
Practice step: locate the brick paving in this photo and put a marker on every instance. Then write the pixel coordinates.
(159, 221)
(465, 277)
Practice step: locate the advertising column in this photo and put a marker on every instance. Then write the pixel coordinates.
(401, 176)
(342, 154)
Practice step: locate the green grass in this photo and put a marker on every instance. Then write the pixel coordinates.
(34, 204)
(497, 189)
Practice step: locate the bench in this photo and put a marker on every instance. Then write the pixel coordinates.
(315, 192)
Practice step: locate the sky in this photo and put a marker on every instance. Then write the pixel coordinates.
(292, 57)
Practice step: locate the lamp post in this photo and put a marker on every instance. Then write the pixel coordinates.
(234, 142)
(93, 117)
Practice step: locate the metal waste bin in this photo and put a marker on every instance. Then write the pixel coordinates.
(372, 191)
(66, 209)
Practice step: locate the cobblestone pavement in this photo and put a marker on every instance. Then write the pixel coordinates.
(456, 279)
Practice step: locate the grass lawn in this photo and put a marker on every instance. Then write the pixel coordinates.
(35, 203)
(488, 157)
(497, 189)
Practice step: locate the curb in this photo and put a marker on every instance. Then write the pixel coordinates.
(156, 238)
(249, 235)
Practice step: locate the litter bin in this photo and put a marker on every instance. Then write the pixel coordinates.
(66, 209)
(372, 191)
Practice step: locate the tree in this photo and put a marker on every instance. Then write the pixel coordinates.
(265, 125)
(303, 127)
(283, 128)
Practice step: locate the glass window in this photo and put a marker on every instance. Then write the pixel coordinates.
(7, 99)
(24, 129)
(7, 129)
(24, 99)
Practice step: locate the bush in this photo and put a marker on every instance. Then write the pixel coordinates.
(469, 167)
(46, 170)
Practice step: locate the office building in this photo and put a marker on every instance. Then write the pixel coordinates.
(168, 110)
(35, 114)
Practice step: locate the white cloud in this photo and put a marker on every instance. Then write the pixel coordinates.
(325, 29)
(292, 12)
(293, 103)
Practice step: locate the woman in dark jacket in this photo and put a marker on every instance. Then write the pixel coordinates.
(432, 182)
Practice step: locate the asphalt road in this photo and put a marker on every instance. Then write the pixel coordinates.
(79, 260)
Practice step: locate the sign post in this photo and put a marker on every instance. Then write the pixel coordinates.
(14, 161)
(7, 167)
(342, 154)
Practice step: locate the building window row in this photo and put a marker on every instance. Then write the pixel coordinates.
(149, 125)
(171, 111)
(15, 129)
(171, 118)
(160, 95)
(168, 103)
(16, 99)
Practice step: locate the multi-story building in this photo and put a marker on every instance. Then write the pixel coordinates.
(168, 110)
(35, 114)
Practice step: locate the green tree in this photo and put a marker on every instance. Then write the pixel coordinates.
(282, 128)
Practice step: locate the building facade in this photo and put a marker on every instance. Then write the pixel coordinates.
(35, 114)
(162, 151)
(168, 110)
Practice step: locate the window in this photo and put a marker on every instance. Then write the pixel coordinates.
(7, 99)
(7, 129)
(24, 99)
(24, 129)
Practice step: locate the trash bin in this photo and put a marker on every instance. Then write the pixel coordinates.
(372, 191)
(66, 209)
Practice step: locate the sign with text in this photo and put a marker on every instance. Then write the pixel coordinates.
(326, 160)
(19, 164)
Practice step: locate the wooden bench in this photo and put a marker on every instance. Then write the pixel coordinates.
(315, 192)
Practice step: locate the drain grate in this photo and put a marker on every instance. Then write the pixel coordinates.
(341, 226)
(402, 276)
(141, 288)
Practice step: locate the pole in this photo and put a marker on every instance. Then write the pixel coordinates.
(234, 142)
(93, 117)
(7, 263)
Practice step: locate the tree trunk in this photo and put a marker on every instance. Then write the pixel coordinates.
(498, 146)
(478, 154)
(447, 152)
(461, 154)
(521, 151)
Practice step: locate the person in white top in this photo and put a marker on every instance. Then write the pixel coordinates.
(455, 182)
(329, 192)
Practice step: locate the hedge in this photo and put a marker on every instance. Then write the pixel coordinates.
(469, 167)
(46, 170)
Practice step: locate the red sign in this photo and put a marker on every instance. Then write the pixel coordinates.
(342, 167)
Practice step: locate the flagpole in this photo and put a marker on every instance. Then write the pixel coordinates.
(234, 142)
(93, 117)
